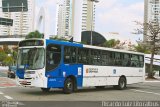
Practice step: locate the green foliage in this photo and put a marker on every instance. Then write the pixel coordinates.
(111, 43)
(83, 42)
(151, 30)
(8, 60)
(143, 49)
(35, 34)
(59, 38)
(14, 56)
(6, 49)
(3, 55)
(14, 53)
(5, 59)
(56, 38)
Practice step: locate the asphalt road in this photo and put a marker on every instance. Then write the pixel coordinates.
(136, 92)
(88, 97)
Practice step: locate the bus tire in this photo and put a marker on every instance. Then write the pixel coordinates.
(68, 86)
(121, 83)
(45, 89)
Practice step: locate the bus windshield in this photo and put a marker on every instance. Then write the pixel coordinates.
(31, 58)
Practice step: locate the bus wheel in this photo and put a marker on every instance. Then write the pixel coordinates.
(122, 83)
(45, 89)
(68, 86)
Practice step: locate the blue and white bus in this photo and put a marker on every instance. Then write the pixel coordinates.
(70, 66)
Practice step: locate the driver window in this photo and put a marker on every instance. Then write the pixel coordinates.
(53, 57)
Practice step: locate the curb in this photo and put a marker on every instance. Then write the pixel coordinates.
(152, 81)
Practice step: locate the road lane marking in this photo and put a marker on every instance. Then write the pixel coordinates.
(2, 87)
(20, 103)
(148, 92)
(8, 97)
(1, 93)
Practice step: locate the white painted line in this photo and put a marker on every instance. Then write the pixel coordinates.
(1, 93)
(2, 87)
(8, 97)
(20, 103)
(148, 92)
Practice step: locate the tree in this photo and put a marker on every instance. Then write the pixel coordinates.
(3, 55)
(14, 56)
(112, 43)
(1, 49)
(142, 48)
(55, 37)
(60, 38)
(151, 30)
(8, 60)
(6, 49)
(35, 34)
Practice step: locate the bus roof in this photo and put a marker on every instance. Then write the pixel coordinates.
(92, 47)
(48, 41)
(112, 49)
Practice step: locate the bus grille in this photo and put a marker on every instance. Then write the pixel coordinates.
(28, 78)
(25, 83)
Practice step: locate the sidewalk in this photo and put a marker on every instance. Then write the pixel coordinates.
(7, 82)
(153, 80)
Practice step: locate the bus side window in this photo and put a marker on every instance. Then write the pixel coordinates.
(83, 56)
(111, 58)
(50, 59)
(134, 61)
(126, 60)
(73, 55)
(118, 59)
(53, 56)
(66, 55)
(69, 54)
(141, 61)
(105, 58)
(96, 57)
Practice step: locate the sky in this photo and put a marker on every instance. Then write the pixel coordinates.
(111, 16)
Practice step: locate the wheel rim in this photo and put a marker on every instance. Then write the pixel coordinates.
(122, 84)
(69, 85)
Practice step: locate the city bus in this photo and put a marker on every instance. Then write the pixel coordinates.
(47, 64)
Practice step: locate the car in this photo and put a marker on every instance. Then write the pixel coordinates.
(12, 71)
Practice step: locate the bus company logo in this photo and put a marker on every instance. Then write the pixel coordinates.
(92, 70)
(114, 71)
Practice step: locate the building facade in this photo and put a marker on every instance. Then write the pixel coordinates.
(66, 17)
(151, 14)
(23, 22)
